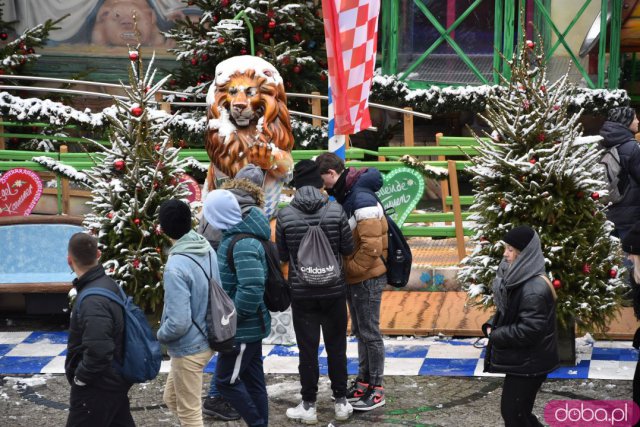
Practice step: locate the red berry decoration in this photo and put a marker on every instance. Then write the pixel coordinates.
(543, 88)
(595, 195)
(220, 40)
(110, 215)
(224, 3)
(297, 69)
(3, 36)
(272, 24)
(556, 107)
(205, 57)
(530, 44)
(266, 36)
(136, 221)
(297, 38)
(119, 164)
(133, 55)
(136, 263)
(586, 269)
(243, 51)
(613, 273)
(194, 61)
(136, 111)
(533, 160)
(258, 30)
(556, 284)
(271, 14)
(541, 137)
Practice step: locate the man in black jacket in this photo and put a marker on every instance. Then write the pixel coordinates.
(96, 332)
(316, 307)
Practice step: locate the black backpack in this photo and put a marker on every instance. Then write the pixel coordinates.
(317, 265)
(277, 293)
(399, 257)
(616, 178)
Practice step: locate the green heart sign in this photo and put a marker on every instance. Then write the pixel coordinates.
(402, 190)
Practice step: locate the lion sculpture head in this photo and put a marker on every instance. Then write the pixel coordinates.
(248, 119)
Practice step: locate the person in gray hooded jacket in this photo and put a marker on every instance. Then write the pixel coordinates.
(522, 334)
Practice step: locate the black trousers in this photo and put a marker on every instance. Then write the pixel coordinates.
(93, 407)
(330, 315)
(518, 395)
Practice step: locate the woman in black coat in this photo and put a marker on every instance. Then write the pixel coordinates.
(631, 245)
(522, 333)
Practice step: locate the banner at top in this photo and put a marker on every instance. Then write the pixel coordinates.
(351, 33)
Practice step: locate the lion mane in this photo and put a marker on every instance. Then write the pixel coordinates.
(258, 143)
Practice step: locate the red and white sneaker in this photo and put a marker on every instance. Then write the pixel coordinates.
(356, 391)
(373, 398)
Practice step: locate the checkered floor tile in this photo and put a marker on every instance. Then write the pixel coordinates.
(44, 352)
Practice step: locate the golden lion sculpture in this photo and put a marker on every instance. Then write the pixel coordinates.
(248, 119)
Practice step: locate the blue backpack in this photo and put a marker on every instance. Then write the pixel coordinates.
(141, 354)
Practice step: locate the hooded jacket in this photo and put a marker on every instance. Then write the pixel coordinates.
(523, 339)
(626, 212)
(186, 294)
(246, 286)
(247, 193)
(306, 209)
(355, 190)
(96, 333)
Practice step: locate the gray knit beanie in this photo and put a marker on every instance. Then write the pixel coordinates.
(622, 115)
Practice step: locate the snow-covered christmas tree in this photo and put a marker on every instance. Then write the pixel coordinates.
(137, 173)
(539, 170)
(287, 33)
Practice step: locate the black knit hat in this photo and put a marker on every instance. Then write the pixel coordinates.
(175, 218)
(519, 237)
(631, 242)
(306, 173)
(622, 115)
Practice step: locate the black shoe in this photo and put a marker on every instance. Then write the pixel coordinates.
(373, 398)
(357, 390)
(219, 408)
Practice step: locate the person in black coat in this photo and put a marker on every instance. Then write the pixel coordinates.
(631, 245)
(316, 307)
(619, 131)
(99, 395)
(522, 334)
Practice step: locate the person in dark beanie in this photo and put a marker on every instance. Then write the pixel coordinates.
(315, 308)
(99, 394)
(183, 324)
(631, 245)
(619, 132)
(522, 333)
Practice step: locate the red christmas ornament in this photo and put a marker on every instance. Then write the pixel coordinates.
(556, 107)
(297, 69)
(4, 36)
(119, 164)
(31, 51)
(595, 195)
(258, 30)
(224, 3)
(541, 137)
(586, 269)
(136, 111)
(220, 40)
(533, 160)
(110, 215)
(173, 82)
(286, 60)
(503, 203)
(136, 263)
(271, 14)
(204, 57)
(194, 61)
(580, 194)
(613, 273)
(136, 221)
(133, 55)
(530, 44)
(297, 38)
(243, 51)
(543, 88)
(266, 36)
(272, 24)
(556, 283)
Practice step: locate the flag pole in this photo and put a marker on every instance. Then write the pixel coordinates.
(336, 142)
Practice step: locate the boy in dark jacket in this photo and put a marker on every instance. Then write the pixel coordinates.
(96, 334)
(619, 131)
(365, 271)
(522, 334)
(239, 374)
(314, 307)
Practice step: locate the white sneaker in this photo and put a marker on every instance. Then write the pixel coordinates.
(305, 416)
(343, 410)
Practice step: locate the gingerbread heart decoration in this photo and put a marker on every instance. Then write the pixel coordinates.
(402, 190)
(20, 190)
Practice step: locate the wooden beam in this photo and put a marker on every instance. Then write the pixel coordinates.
(33, 288)
(457, 210)
(408, 128)
(66, 198)
(316, 109)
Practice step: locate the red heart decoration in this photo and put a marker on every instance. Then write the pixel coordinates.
(20, 190)
(194, 189)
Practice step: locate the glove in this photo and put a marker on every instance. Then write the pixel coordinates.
(636, 339)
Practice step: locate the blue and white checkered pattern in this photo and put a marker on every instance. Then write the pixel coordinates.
(44, 352)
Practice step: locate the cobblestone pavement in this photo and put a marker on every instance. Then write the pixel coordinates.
(412, 401)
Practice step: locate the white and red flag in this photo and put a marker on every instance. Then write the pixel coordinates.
(351, 32)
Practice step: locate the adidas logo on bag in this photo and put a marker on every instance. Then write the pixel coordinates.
(318, 270)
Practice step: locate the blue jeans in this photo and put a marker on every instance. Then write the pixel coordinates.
(240, 380)
(213, 389)
(364, 306)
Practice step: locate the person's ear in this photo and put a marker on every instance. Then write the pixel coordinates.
(70, 262)
(99, 254)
